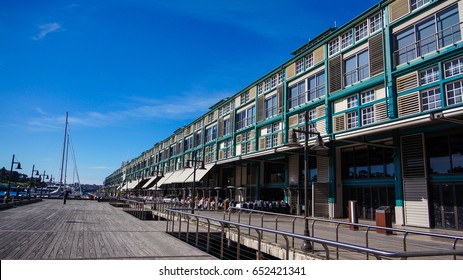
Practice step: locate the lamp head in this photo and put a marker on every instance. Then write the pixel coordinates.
(18, 166)
(294, 141)
(319, 144)
(202, 166)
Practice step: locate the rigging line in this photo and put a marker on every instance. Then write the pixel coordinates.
(76, 171)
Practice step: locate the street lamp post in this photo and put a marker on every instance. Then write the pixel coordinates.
(32, 181)
(18, 166)
(194, 161)
(319, 145)
(42, 176)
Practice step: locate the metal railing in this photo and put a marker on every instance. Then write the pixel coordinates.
(254, 223)
(450, 240)
(180, 216)
(434, 42)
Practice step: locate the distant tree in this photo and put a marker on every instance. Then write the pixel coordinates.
(3, 176)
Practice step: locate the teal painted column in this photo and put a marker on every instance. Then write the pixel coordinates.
(332, 174)
(388, 66)
(399, 199)
(257, 196)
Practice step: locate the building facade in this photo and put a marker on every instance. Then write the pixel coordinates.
(384, 92)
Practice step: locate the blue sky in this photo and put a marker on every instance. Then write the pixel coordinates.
(131, 72)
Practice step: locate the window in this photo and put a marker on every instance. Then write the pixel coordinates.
(333, 47)
(188, 143)
(375, 23)
(300, 66)
(352, 101)
(312, 115)
(346, 39)
(245, 118)
(296, 95)
(368, 115)
(199, 139)
(228, 144)
(352, 119)
(270, 106)
(429, 75)
(226, 127)
(270, 83)
(316, 86)
(415, 4)
(361, 31)
(308, 61)
(304, 63)
(356, 68)
(437, 31)
(244, 97)
(260, 89)
(454, 92)
(199, 125)
(445, 154)
(245, 143)
(363, 162)
(271, 135)
(431, 99)
(211, 133)
(453, 67)
(368, 96)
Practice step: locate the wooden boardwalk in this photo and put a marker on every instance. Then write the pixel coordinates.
(86, 229)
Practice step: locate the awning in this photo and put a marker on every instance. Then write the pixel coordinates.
(172, 177)
(141, 183)
(163, 179)
(185, 174)
(150, 182)
(199, 173)
(132, 184)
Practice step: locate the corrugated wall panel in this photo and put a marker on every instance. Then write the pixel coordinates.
(321, 193)
(414, 181)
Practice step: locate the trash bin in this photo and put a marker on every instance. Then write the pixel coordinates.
(353, 214)
(384, 219)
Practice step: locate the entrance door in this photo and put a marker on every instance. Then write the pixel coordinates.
(448, 206)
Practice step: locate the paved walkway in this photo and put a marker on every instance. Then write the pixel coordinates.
(86, 229)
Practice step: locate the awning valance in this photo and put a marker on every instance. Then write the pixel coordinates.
(200, 173)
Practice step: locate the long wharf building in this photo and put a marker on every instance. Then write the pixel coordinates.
(384, 92)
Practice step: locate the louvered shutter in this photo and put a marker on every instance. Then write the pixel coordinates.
(335, 74)
(376, 54)
(398, 9)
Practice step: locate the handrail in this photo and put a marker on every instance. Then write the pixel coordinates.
(367, 228)
(379, 254)
(165, 207)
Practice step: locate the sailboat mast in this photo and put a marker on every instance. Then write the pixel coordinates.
(66, 164)
(64, 149)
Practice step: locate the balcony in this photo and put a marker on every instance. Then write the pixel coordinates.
(435, 42)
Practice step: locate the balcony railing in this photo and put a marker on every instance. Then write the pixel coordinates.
(435, 42)
(357, 74)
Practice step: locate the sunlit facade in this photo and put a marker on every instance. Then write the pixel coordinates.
(385, 93)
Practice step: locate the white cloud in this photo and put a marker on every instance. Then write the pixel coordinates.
(46, 29)
(185, 107)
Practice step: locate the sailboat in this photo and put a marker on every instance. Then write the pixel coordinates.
(74, 189)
